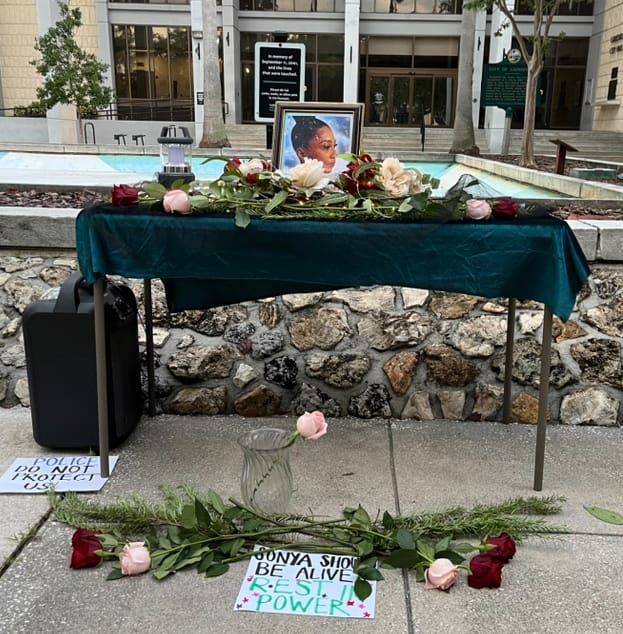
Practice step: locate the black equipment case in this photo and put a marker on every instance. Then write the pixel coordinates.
(59, 341)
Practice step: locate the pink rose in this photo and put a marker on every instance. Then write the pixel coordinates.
(312, 425)
(441, 574)
(477, 209)
(176, 202)
(134, 559)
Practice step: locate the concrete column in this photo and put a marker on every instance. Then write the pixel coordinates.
(231, 61)
(104, 41)
(351, 50)
(495, 118)
(479, 53)
(196, 27)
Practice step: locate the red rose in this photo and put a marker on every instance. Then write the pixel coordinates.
(485, 572)
(124, 195)
(505, 208)
(85, 543)
(504, 547)
(233, 166)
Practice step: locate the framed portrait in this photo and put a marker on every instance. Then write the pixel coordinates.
(320, 130)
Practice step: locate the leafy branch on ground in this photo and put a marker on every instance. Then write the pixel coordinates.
(191, 529)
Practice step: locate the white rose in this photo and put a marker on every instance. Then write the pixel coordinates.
(397, 180)
(251, 167)
(308, 174)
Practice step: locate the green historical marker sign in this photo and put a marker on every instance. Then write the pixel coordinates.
(504, 83)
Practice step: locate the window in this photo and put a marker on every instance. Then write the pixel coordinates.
(612, 84)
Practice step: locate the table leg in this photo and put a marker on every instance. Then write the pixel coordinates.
(149, 348)
(508, 365)
(546, 352)
(100, 368)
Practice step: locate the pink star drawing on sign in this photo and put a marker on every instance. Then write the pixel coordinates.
(362, 606)
(245, 600)
(250, 578)
(256, 594)
(366, 615)
(350, 603)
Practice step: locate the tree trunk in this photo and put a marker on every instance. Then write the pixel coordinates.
(526, 157)
(214, 133)
(463, 139)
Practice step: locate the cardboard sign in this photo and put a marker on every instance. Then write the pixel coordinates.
(311, 584)
(66, 473)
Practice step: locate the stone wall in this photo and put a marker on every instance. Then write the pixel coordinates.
(369, 352)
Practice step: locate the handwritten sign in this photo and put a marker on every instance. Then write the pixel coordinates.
(312, 584)
(66, 473)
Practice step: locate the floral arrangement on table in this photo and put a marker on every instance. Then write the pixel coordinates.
(367, 189)
(193, 530)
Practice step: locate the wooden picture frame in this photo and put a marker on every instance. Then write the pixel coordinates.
(321, 130)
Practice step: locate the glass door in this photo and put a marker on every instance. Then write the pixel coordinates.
(402, 99)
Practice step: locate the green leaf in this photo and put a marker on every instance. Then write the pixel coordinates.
(174, 534)
(216, 570)
(426, 550)
(611, 517)
(405, 539)
(360, 516)
(364, 547)
(453, 556)
(277, 200)
(370, 573)
(388, 521)
(216, 502)
(442, 544)
(161, 573)
(464, 547)
(206, 561)
(405, 205)
(164, 543)
(115, 573)
(169, 562)
(189, 517)
(363, 589)
(187, 561)
(203, 516)
(401, 558)
(155, 190)
(242, 218)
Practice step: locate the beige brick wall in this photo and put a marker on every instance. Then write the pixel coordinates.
(610, 117)
(18, 30)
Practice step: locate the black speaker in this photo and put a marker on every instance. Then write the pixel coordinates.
(59, 341)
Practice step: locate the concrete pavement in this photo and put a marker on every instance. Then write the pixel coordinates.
(564, 585)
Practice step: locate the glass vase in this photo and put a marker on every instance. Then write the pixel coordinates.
(266, 481)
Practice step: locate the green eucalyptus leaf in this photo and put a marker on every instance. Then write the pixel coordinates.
(610, 517)
(403, 558)
(242, 218)
(216, 570)
(405, 540)
(363, 589)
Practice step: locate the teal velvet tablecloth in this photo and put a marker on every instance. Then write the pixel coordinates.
(207, 261)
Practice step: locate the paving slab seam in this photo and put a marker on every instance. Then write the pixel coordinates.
(24, 540)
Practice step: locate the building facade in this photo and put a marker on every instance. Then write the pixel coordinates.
(398, 57)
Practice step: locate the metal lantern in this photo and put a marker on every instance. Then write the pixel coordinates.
(175, 155)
